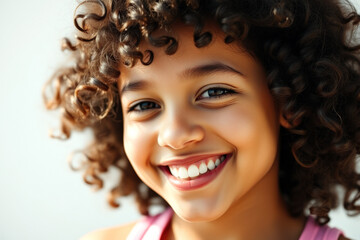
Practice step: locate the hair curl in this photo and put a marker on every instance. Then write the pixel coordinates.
(309, 49)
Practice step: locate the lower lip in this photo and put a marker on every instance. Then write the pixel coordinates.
(198, 182)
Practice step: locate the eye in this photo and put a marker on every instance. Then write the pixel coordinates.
(215, 92)
(143, 106)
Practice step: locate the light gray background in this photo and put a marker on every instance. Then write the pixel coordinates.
(40, 197)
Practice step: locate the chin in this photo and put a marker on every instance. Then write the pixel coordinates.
(199, 211)
(196, 217)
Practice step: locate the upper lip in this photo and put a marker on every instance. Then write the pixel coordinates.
(188, 159)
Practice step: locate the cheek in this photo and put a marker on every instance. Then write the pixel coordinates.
(250, 130)
(253, 134)
(237, 125)
(136, 144)
(139, 148)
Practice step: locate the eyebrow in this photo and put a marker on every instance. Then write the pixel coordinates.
(208, 69)
(197, 71)
(133, 86)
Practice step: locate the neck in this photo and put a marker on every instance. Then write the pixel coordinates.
(260, 214)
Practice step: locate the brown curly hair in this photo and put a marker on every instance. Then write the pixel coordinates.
(309, 49)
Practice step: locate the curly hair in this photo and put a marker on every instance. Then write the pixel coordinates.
(309, 50)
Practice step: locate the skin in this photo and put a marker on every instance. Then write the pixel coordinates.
(169, 114)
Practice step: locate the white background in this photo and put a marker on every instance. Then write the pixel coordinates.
(40, 197)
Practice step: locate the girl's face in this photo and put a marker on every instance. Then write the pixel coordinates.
(205, 114)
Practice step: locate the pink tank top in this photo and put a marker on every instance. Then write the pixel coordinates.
(152, 228)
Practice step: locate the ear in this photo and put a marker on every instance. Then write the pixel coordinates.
(284, 122)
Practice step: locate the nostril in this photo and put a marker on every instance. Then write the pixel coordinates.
(179, 133)
(176, 144)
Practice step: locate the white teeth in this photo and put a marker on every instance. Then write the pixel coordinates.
(183, 173)
(193, 171)
(211, 165)
(217, 162)
(174, 171)
(203, 168)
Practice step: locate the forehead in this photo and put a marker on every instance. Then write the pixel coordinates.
(188, 55)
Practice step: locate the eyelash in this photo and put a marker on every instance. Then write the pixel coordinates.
(216, 90)
(224, 92)
(141, 104)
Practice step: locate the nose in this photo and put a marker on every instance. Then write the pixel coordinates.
(179, 130)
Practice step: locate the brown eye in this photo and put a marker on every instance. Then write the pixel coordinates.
(143, 106)
(216, 93)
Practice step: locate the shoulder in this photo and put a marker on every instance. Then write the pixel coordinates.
(116, 233)
(313, 230)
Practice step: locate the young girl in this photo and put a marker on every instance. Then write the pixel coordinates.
(240, 117)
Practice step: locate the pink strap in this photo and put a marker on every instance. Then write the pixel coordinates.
(151, 227)
(313, 231)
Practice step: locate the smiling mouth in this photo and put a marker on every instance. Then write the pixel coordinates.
(197, 174)
(195, 170)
